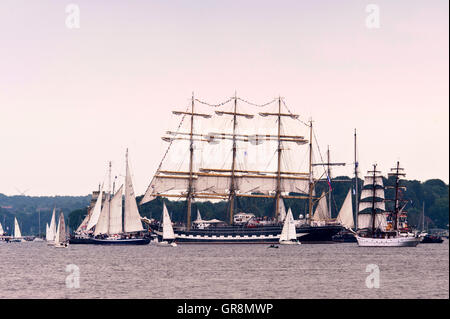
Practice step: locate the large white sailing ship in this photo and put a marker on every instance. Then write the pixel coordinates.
(234, 152)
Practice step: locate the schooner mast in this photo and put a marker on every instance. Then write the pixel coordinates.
(356, 186)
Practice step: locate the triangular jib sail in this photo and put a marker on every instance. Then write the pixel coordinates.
(288, 233)
(96, 211)
(132, 218)
(321, 212)
(61, 232)
(52, 227)
(168, 233)
(17, 233)
(345, 216)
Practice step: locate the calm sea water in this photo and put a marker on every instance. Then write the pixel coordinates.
(35, 270)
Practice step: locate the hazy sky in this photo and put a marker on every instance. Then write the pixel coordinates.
(72, 99)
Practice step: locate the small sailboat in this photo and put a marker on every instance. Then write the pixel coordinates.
(2, 232)
(17, 234)
(167, 236)
(61, 238)
(288, 234)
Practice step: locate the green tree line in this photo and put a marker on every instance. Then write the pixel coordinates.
(434, 194)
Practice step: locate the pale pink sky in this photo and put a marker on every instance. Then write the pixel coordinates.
(72, 99)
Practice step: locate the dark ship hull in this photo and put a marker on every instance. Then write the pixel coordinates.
(345, 237)
(251, 235)
(429, 239)
(78, 240)
(117, 242)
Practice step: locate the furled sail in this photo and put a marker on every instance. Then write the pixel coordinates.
(167, 225)
(17, 232)
(345, 216)
(103, 220)
(321, 212)
(132, 218)
(115, 216)
(281, 210)
(288, 232)
(96, 211)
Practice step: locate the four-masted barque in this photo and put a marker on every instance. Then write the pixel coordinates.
(230, 153)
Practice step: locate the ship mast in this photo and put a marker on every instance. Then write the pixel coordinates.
(191, 160)
(396, 173)
(109, 195)
(311, 182)
(373, 198)
(278, 190)
(328, 164)
(233, 165)
(208, 183)
(356, 186)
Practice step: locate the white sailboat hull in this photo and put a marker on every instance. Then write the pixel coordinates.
(400, 241)
(62, 245)
(289, 242)
(166, 244)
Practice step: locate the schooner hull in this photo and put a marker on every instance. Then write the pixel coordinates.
(387, 242)
(80, 241)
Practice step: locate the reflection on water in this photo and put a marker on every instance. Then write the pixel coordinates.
(35, 270)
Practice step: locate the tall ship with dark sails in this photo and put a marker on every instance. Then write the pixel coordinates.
(379, 226)
(228, 151)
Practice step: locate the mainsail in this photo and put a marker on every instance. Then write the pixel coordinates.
(17, 233)
(2, 232)
(321, 212)
(103, 220)
(167, 225)
(132, 218)
(345, 216)
(52, 227)
(288, 233)
(115, 216)
(371, 212)
(96, 211)
(61, 231)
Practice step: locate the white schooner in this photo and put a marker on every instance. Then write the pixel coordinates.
(103, 224)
